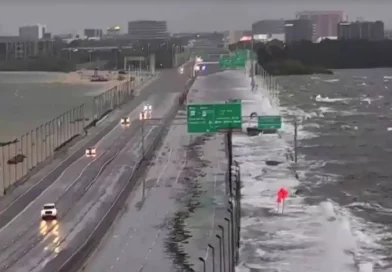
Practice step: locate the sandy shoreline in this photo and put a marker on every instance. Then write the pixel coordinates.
(82, 77)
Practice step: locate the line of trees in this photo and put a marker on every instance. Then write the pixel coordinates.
(316, 57)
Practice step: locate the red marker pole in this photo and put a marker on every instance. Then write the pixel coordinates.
(282, 195)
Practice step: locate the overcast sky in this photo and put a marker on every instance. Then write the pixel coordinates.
(62, 16)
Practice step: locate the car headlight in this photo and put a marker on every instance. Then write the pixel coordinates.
(54, 212)
(42, 212)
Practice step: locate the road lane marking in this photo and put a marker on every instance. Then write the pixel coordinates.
(114, 202)
(60, 164)
(164, 169)
(99, 173)
(49, 187)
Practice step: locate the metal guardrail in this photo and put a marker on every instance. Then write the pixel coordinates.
(26, 152)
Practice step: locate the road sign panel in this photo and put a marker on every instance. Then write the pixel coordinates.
(200, 118)
(228, 115)
(269, 122)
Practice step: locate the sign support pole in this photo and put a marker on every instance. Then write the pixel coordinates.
(295, 140)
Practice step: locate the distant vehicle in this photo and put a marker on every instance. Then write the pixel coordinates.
(125, 121)
(49, 211)
(147, 107)
(122, 72)
(99, 79)
(91, 152)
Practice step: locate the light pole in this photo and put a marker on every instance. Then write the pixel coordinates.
(204, 263)
(220, 252)
(142, 117)
(223, 246)
(213, 257)
(229, 245)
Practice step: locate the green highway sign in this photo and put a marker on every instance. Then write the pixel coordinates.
(269, 122)
(200, 118)
(204, 118)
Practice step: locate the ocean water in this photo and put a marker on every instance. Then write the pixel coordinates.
(338, 213)
(30, 99)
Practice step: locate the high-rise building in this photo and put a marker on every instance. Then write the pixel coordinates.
(372, 31)
(148, 30)
(324, 22)
(33, 32)
(93, 33)
(298, 30)
(268, 27)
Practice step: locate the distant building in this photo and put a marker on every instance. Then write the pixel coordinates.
(93, 33)
(14, 47)
(234, 36)
(324, 22)
(372, 31)
(268, 27)
(298, 30)
(47, 36)
(33, 32)
(114, 30)
(148, 30)
(269, 37)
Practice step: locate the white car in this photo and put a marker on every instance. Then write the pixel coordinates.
(49, 211)
(91, 152)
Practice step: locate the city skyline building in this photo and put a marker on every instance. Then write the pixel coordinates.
(298, 30)
(268, 27)
(148, 30)
(324, 22)
(33, 32)
(363, 30)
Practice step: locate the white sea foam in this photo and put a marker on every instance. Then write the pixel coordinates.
(318, 238)
(326, 99)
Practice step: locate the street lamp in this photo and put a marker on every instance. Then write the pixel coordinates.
(220, 251)
(223, 246)
(229, 244)
(204, 263)
(213, 257)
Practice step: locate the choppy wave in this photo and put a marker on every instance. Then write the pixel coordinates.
(323, 236)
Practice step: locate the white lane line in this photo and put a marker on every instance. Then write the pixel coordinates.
(182, 166)
(49, 187)
(164, 169)
(141, 217)
(37, 183)
(158, 233)
(97, 176)
(104, 240)
(112, 158)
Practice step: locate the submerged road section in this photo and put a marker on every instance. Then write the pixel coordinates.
(169, 228)
(84, 190)
(137, 240)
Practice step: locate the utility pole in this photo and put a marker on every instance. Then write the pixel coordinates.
(251, 60)
(143, 113)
